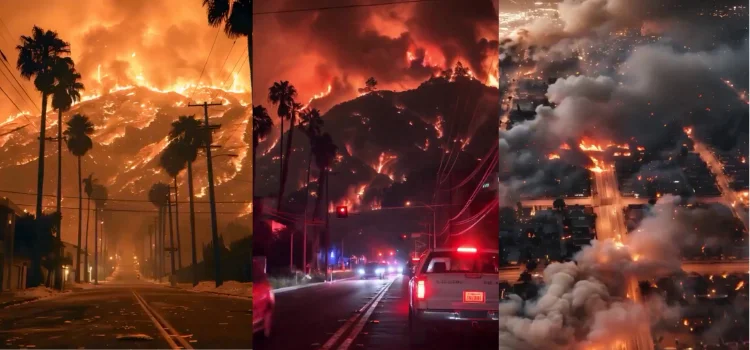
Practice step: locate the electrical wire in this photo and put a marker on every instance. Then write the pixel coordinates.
(118, 199)
(108, 209)
(206, 63)
(479, 166)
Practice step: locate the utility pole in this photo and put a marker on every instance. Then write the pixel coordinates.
(172, 277)
(211, 197)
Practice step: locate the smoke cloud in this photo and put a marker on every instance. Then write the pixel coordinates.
(583, 302)
(399, 45)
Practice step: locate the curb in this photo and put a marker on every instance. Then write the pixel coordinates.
(17, 302)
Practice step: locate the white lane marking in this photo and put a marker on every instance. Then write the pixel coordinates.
(361, 324)
(163, 325)
(335, 337)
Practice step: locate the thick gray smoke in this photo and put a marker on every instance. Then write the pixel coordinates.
(659, 88)
(583, 302)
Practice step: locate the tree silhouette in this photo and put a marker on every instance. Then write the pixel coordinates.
(237, 19)
(186, 132)
(173, 161)
(325, 151)
(38, 55)
(311, 125)
(88, 187)
(559, 204)
(461, 72)
(79, 143)
(65, 92)
(370, 86)
(283, 95)
(100, 195)
(158, 195)
(262, 126)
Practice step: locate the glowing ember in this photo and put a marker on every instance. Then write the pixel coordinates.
(688, 130)
(739, 285)
(553, 156)
(439, 126)
(565, 146)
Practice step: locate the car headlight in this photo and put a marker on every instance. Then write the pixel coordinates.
(361, 271)
(379, 271)
(400, 269)
(390, 269)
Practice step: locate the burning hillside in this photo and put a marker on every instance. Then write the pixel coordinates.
(386, 139)
(131, 126)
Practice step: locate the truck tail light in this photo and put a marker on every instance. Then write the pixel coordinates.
(420, 289)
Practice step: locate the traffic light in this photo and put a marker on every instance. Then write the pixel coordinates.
(342, 211)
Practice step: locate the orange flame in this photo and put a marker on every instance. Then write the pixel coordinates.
(553, 156)
(565, 146)
(590, 147)
(688, 130)
(740, 285)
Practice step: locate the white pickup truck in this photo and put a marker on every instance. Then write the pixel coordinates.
(454, 287)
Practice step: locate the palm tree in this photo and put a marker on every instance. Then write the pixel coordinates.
(79, 127)
(158, 195)
(172, 160)
(237, 20)
(311, 125)
(283, 94)
(325, 151)
(88, 187)
(99, 194)
(262, 126)
(37, 56)
(186, 131)
(66, 91)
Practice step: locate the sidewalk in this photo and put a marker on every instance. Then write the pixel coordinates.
(26, 295)
(228, 288)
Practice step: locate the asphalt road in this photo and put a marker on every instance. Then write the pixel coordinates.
(110, 316)
(354, 314)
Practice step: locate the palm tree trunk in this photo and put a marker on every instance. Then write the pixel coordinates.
(40, 173)
(194, 267)
(316, 211)
(80, 221)
(96, 245)
(307, 199)
(177, 225)
(162, 230)
(287, 156)
(281, 164)
(86, 257)
(35, 277)
(171, 238)
(326, 233)
(58, 270)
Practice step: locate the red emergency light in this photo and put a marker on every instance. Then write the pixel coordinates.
(342, 211)
(467, 250)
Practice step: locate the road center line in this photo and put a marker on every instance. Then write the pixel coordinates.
(335, 337)
(361, 324)
(165, 329)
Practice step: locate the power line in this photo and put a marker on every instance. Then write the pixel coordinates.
(33, 103)
(228, 54)
(14, 87)
(11, 100)
(233, 68)
(346, 7)
(118, 200)
(127, 210)
(206, 63)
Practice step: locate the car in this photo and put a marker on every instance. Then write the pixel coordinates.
(263, 299)
(394, 269)
(454, 287)
(372, 269)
